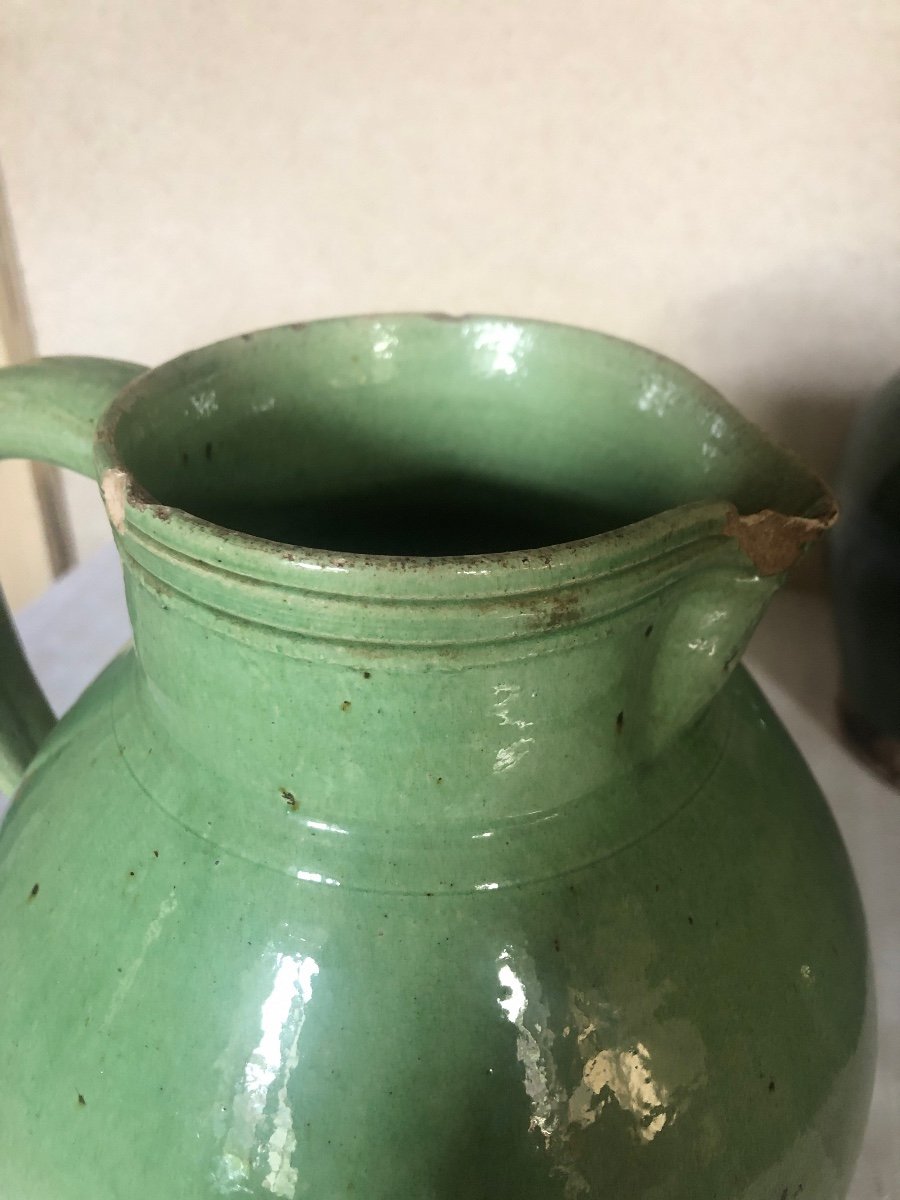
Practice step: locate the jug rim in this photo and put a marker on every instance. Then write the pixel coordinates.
(767, 540)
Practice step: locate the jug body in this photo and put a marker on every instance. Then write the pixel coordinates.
(431, 840)
(690, 1011)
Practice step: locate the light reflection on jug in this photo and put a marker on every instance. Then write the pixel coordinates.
(618, 1067)
(510, 755)
(624, 1076)
(534, 1043)
(274, 1058)
(506, 343)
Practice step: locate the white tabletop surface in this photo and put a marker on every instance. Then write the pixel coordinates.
(80, 623)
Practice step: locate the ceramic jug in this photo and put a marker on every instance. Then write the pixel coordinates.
(430, 843)
(865, 561)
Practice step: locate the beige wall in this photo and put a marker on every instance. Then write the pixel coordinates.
(719, 178)
(26, 565)
(24, 561)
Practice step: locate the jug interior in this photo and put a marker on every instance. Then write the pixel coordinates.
(416, 436)
(427, 516)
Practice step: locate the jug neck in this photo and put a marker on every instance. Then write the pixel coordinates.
(422, 674)
(462, 729)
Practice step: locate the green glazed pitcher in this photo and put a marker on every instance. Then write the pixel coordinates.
(430, 843)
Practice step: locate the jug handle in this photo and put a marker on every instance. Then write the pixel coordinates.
(49, 410)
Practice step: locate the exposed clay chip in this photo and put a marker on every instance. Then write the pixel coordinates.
(772, 541)
(113, 488)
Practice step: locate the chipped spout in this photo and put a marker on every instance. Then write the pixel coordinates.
(113, 486)
(774, 541)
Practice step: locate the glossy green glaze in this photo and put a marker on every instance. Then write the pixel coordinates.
(428, 864)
